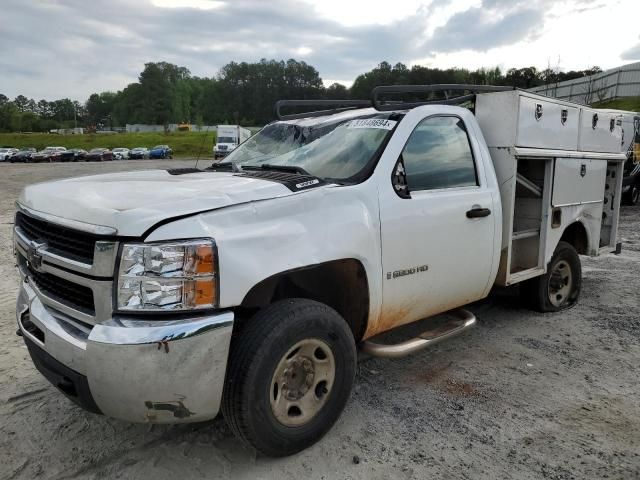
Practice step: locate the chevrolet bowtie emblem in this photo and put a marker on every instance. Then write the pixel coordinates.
(34, 257)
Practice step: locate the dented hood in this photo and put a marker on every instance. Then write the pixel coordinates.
(132, 202)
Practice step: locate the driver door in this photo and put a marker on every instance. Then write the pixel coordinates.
(437, 238)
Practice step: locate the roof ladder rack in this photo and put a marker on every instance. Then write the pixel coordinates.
(445, 88)
(339, 106)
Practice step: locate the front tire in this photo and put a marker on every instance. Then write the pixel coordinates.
(290, 374)
(560, 287)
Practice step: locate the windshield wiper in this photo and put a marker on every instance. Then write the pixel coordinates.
(235, 167)
(232, 166)
(278, 168)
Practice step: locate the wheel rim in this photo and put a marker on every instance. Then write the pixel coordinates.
(302, 382)
(560, 283)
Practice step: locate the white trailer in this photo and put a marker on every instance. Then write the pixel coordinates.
(228, 138)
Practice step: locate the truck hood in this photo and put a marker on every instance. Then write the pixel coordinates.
(132, 202)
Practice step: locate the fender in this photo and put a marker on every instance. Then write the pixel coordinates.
(258, 240)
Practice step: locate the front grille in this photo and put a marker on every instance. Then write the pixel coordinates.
(61, 240)
(66, 292)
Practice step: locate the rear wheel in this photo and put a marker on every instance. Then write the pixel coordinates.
(559, 288)
(289, 377)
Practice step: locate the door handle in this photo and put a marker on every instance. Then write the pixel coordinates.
(478, 212)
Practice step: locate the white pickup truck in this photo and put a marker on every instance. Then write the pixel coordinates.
(247, 287)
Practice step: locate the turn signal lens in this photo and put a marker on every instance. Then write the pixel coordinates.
(201, 293)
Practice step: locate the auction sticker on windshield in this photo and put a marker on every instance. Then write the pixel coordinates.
(380, 123)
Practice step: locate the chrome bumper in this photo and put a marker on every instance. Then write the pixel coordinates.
(154, 371)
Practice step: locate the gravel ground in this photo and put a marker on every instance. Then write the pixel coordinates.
(524, 395)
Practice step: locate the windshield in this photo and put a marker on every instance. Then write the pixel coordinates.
(96, 150)
(159, 146)
(226, 140)
(338, 150)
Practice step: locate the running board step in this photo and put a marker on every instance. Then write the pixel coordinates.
(460, 321)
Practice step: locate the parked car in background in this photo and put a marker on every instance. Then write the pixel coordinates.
(120, 153)
(5, 153)
(161, 151)
(48, 154)
(73, 155)
(22, 156)
(41, 156)
(56, 153)
(98, 155)
(138, 153)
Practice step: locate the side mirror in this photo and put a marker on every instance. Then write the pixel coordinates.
(399, 179)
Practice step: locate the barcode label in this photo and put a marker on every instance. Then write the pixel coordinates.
(373, 123)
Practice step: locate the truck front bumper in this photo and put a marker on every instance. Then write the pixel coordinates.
(158, 371)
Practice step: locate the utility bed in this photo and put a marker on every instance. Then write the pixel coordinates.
(554, 160)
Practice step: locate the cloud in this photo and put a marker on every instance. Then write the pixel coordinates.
(631, 54)
(481, 29)
(78, 47)
(71, 48)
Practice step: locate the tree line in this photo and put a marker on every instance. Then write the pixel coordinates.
(242, 93)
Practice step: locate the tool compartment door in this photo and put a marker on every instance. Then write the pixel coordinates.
(577, 181)
(600, 131)
(545, 124)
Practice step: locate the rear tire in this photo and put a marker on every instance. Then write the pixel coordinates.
(560, 287)
(290, 374)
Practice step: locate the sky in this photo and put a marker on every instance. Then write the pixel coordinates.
(71, 48)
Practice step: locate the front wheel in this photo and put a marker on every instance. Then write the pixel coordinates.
(559, 288)
(290, 374)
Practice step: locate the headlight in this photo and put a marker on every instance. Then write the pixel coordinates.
(167, 276)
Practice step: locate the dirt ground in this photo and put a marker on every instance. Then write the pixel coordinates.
(524, 395)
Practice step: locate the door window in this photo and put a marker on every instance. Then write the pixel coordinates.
(438, 155)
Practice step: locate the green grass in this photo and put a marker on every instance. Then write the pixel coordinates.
(631, 104)
(184, 144)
